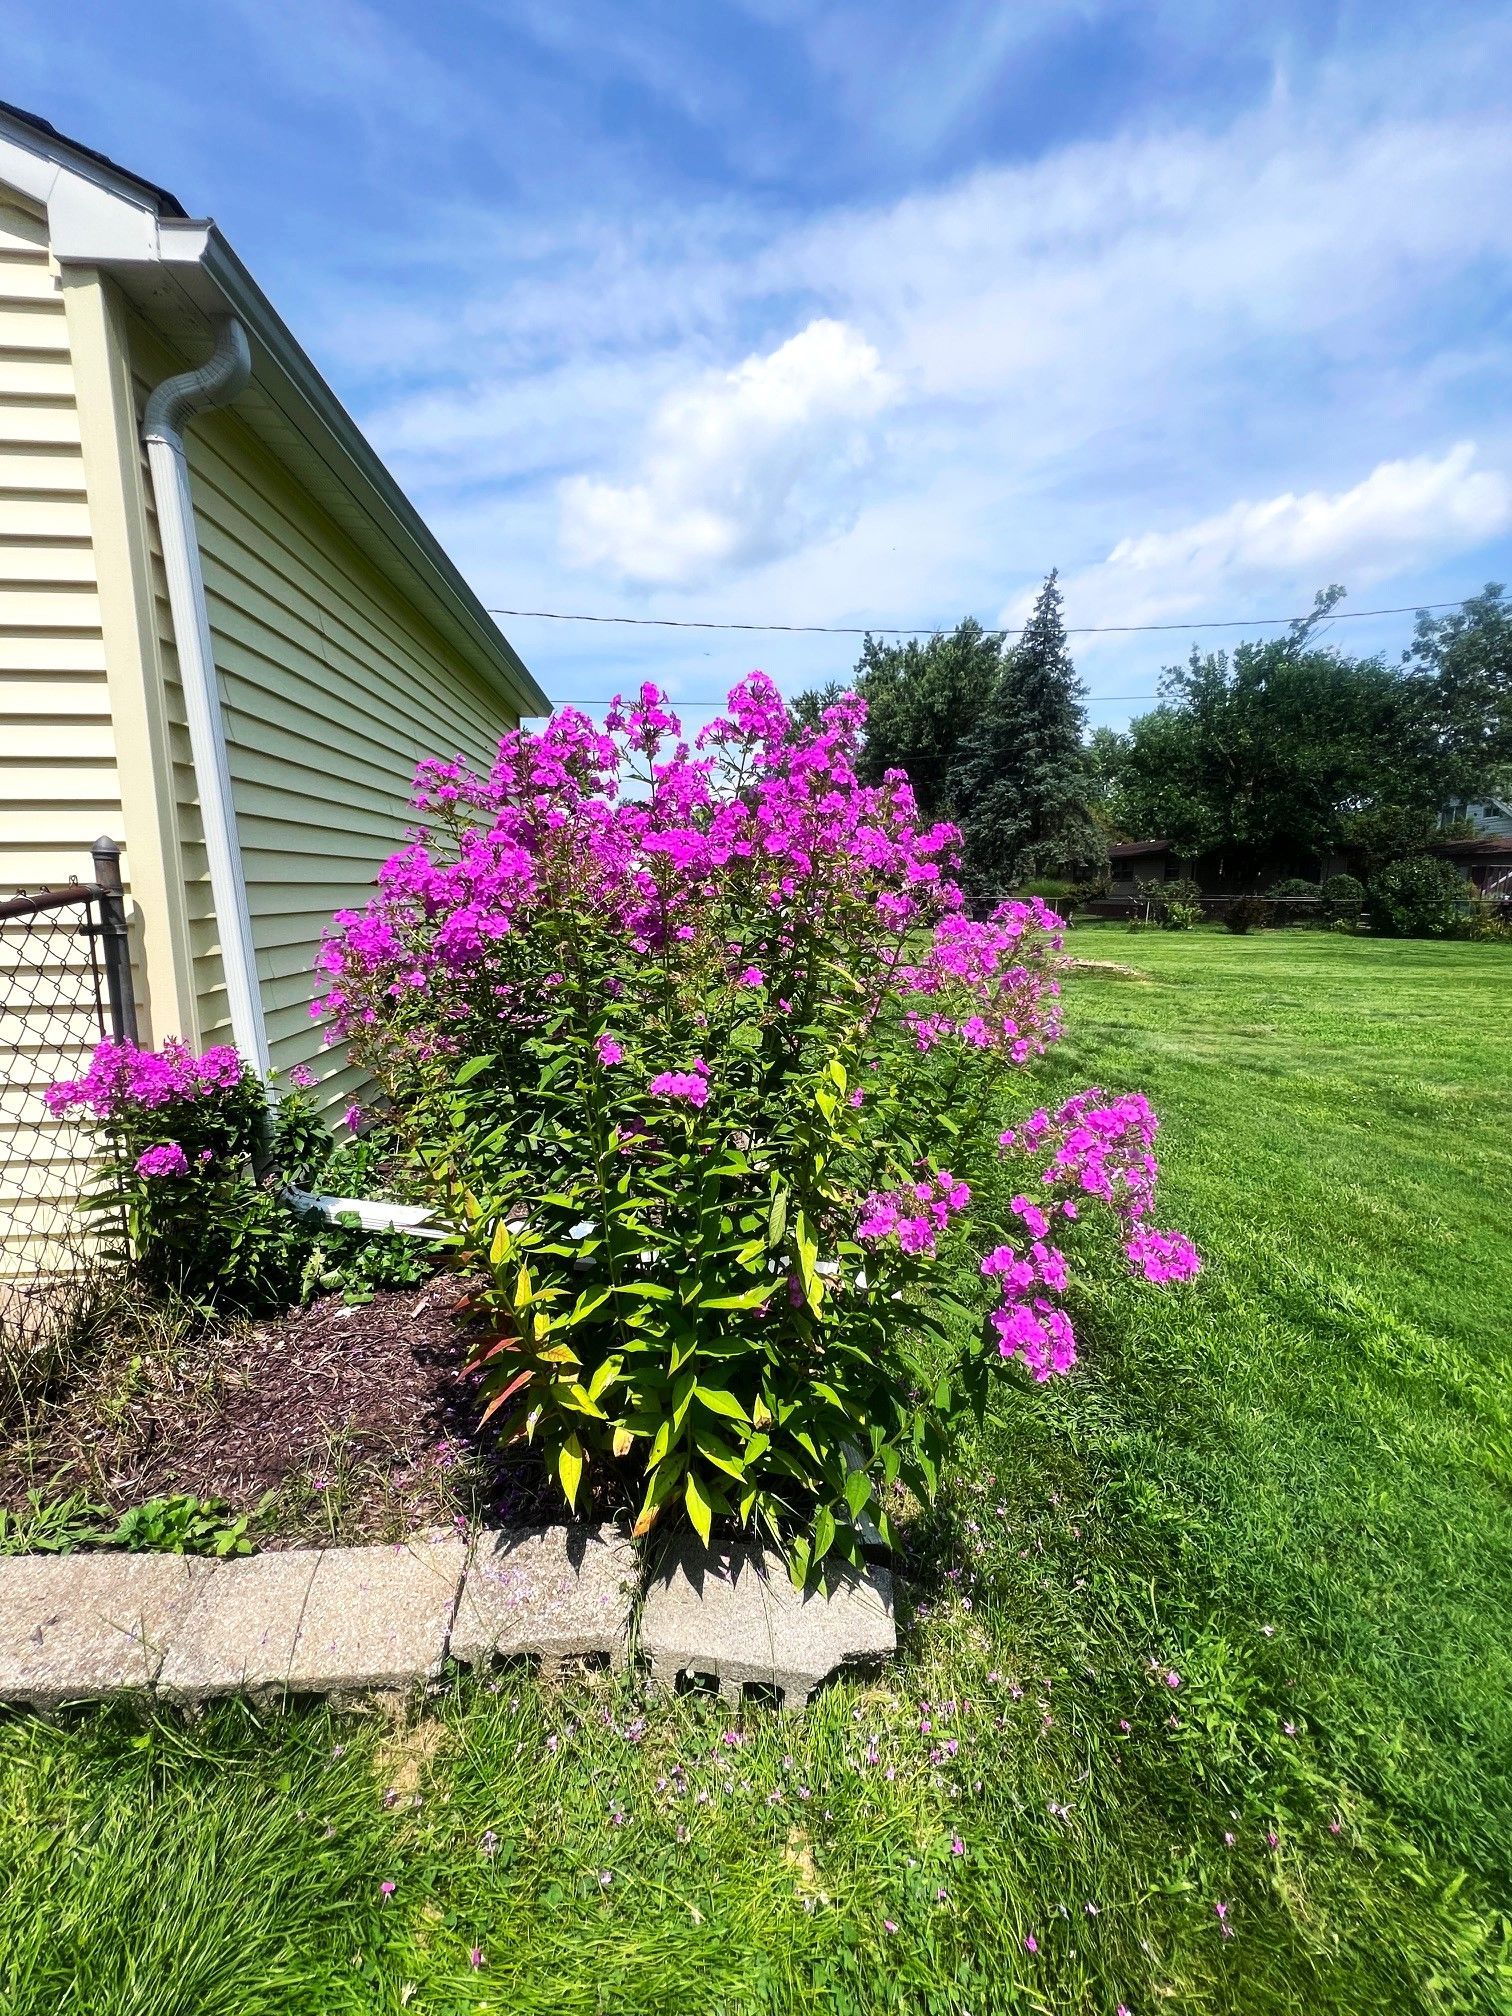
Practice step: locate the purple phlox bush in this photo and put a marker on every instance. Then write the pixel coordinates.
(698, 1049)
(191, 1165)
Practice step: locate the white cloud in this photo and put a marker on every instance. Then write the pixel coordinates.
(738, 467)
(1403, 513)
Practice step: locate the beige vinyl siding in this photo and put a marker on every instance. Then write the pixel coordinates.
(332, 688)
(58, 780)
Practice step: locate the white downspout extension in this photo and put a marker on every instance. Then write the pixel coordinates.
(172, 405)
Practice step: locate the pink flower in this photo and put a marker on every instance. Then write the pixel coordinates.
(475, 1957)
(1173, 1679)
(387, 1888)
(888, 1925)
(1031, 1944)
(751, 977)
(166, 1159)
(609, 1052)
(352, 1118)
(1163, 1256)
(689, 1087)
(302, 1077)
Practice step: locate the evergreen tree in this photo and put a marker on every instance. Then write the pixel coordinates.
(920, 698)
(1021, 779)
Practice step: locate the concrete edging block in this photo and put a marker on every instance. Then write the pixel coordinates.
(329, 1621)
(81, 1627)
(554, 1594)
(732, 1614)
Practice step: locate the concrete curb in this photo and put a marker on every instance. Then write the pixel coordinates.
(352, 1620)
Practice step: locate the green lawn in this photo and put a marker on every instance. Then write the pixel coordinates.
(1288, 1485)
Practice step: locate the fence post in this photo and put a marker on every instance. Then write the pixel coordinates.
(115, 941)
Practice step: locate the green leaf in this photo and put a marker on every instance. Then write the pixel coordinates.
(858, 1490)
(604, 1376)
(699, 1509)
(824, 1532)
(777, 1219)
(749, 1298)
(468, 1071)
(719, 1402)
(570, 1468)
(720, 1454)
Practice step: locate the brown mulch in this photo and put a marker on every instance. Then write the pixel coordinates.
(359, 1418)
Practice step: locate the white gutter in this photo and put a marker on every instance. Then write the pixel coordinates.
(170, 408)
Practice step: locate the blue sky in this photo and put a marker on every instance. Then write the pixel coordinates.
(867, 312)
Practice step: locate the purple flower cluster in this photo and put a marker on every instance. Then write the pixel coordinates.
(760, 808)
(166, 1159)
(914, 1217)
(1096, 1148)
(690, 1087)
(987, 983)
(1163, 1256)
(121, 1077)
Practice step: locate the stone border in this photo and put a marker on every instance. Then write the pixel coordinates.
(351, 1620)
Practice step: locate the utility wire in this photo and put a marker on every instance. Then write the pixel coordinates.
(937, 629)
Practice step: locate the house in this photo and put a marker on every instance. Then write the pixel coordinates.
(225, 633)
(1132, 861)
(1486, 815)
(1485, 862)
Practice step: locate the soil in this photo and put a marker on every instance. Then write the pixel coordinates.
(343, 1422)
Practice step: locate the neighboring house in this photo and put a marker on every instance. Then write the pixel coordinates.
(1131, 861)
(1486, 815)
(1485, 862)
(225, 646)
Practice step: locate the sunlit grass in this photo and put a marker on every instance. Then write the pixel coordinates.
(1287, 1486)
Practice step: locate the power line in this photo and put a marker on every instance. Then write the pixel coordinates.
(936, 629)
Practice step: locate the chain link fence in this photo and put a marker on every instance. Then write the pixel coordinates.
(65, 982)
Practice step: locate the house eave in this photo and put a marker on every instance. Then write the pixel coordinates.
(180, 273)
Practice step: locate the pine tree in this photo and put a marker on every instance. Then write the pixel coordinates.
(1021, 780)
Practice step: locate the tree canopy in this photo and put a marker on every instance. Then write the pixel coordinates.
(1290, 749)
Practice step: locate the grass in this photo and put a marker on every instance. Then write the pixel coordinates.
(1287, 1485)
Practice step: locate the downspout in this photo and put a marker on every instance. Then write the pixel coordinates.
(170, 408)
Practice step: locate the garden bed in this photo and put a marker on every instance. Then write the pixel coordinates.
(345, 1422)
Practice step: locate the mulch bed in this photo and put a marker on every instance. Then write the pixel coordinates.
(359, 1417)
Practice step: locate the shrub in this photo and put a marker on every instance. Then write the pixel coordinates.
(696, 1051)
(1247, 913)
(1294, 888)
(1175, 904)
(182, 1140)
(1422, 897)
(1343, 898)
(1487, 921)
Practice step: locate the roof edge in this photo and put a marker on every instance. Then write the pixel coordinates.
(356, 458)
(102, 217)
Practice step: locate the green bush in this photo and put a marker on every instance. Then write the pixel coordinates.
(1422, 897)
(1175, 904)
(1293, 887)
(1247, 913)
(1343, 898)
